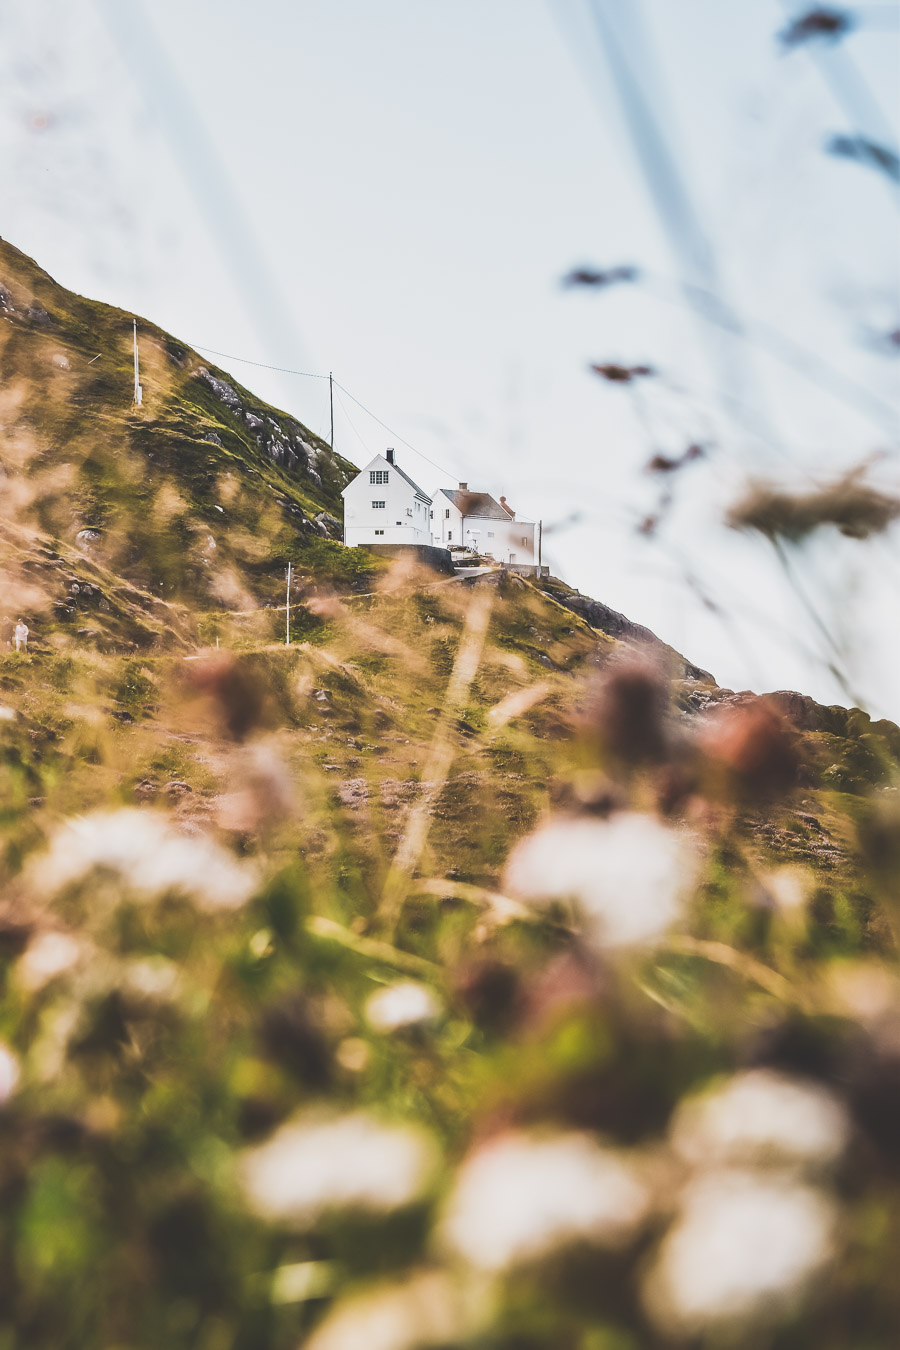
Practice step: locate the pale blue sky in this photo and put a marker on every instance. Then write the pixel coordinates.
(417, 175)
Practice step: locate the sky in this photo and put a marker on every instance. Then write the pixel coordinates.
(394, 190)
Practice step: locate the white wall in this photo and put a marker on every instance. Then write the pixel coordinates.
(404, 518)
(446, 528)
(503, 540)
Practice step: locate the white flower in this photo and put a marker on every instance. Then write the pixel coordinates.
(317, 1163)
(521, 1196)
(46, 956)
(421, 1311)
(744, 1247)
(405, 1003)
(10, 1073)
(150, 856)
(761, 1116)
(629, 875)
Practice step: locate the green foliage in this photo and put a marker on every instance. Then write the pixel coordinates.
(180, 983)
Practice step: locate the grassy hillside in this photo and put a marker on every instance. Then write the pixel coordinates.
(195, 501)
(472, 973)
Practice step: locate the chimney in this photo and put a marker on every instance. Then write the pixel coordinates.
(507, 508)
(389, 454)
(463, 487)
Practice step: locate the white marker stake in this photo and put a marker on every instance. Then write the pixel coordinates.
(138, 391)
(287, 611)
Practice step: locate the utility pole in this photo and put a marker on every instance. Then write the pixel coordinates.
(138, 391)
(540, 541)
(287, 611)
(331, 405)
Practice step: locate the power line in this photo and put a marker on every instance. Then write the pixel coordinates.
(262, 365)
(313, 375)
(352, 424)
(434, 464)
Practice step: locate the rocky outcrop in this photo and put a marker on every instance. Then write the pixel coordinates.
(285, 445)
(616, 625)
(330, 526)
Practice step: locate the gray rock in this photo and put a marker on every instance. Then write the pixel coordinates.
(223, 391)
(329, 525)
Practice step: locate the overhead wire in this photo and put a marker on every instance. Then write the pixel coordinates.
(351, 423)
(314, 375)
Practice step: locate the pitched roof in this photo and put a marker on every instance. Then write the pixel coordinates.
(481, 505)
(380, 459)
(424, 495)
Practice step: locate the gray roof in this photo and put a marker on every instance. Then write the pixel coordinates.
(419, 493)
(481, 505)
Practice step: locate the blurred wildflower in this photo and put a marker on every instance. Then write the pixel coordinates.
(406, 1003)
(488, 990)
(599, 277)
(521, 1196)
(866, 151)
(621, 374)
(786, 889)
(629, 876)
(819, 22)
(423, 1310)
(626, 711)
(234, 690)
(292, 1033)
(149, 856)
(10, 1073)
(750, 751)
(670, 464)
(855, 508)
(48, 955)
(744, 1247)
(761, 1117)
(319, 1163)
(154, 980)
(353, 1054)
(262, 793)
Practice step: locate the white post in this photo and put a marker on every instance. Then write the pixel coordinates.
(138, 391)
(287, 629)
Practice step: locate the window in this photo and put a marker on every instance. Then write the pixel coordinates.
(378, 476)
(449, 535)
(525, 540)
(379, 531)
(431, 515)
(378, 506)
(399, 522)
(447, 514)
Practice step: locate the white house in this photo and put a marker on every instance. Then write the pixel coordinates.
(475, 520)
(382, 505)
